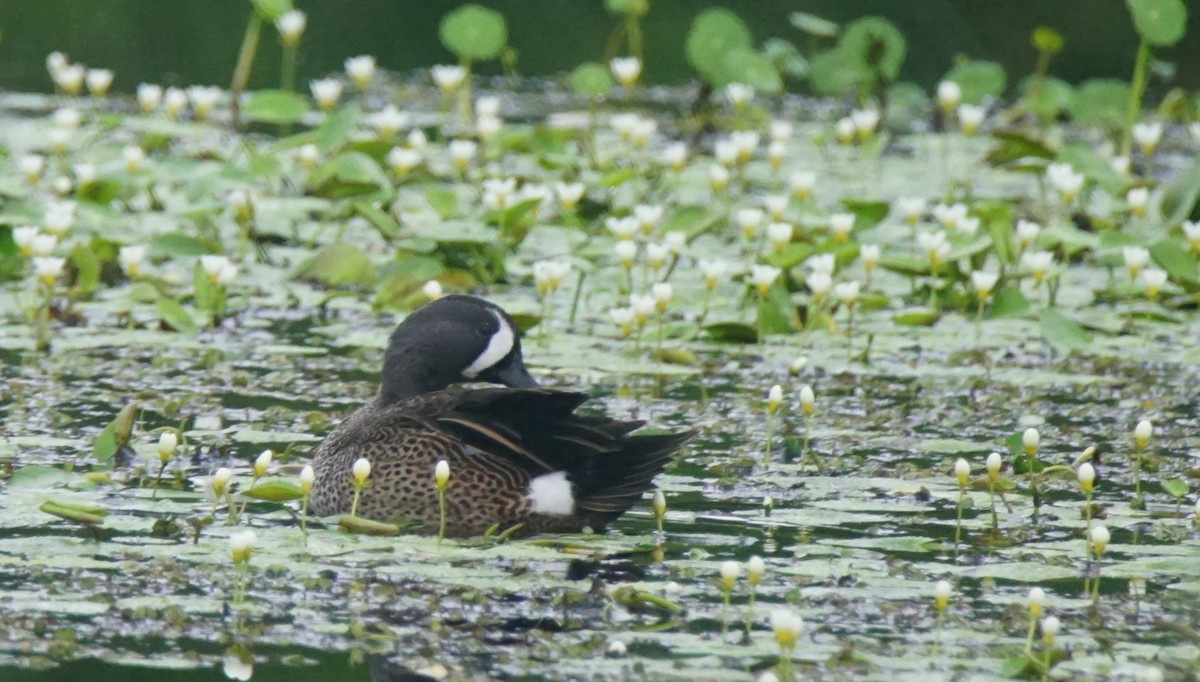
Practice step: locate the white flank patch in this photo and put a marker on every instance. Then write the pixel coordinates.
(551, 494)
(498, 347)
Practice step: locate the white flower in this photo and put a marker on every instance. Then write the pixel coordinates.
(59, 138)
(911, 208)
(818, 283)
(1154, 279)
(725, 152)
(643, 307)
(622, 228)
(1064, 180)
(647, 216)
(774, 398)
(1138, 198)
(730, 572)
(870, 254)
(55, 61)
(361, 70)
(568, 194)
(213, 265)
(713, 271)
(948, 95)
(291, 26)
(388, 121)
(48, 269)
(656, 254)
(779, 234)
(99, 81)
(235, 668)
(675, 155)
(841, 224)
(844, 130)
(149, 96)
(1027, 232)
(624, 123)
(1136, 258)
(307, 477)
(326, 91)
(865, 121)
(984, 282)
(675, 241)
(1147, 135)
(1191, 232)
(70, 78)
(780, 131)
(498, 193)
(174, 100)
(84, 172)
(808, 400)
(949, 215)
(755, 569)
(763, 276)
(1037, 263)
(970, 116)
(68, 117)
(548, 274)
(134, 156)
(131, 258)
(461, 153)
(1037, 599)
(227, 274)
(416, 139)
(1100, 538)
(487, 106)
(220, 480)
(59, 217)
(962, 471)
(167, 443)
(42, 245)
(263, 462)
(241, 546)
(23, 238)
(824, 262)
(623, 317)
(643, 130)
(626, 252)
(441, 473)
(31, 166)
(617, 648)
(941, 592)
(801, 183)
(969, 225)
(203, 99)
(448, 77)
(1030, 440)
(934, 246)
(626, 69)
(847, 292)
(1086, 476)
(718, 177)
(432, 290)
(798, 365)
(361, 470)
(1050, 627)
(776, 204)
(1120, 164)
(748, 219)
(776, 150)
(993, 464)
(786, 625)
(308, 155)
(739, 94)
(402, 160)
(662, 292)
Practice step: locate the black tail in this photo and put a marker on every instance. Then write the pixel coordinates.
(613, 482)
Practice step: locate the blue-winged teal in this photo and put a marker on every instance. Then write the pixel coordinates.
(517, 455)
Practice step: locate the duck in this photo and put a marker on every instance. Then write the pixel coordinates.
(522, 459)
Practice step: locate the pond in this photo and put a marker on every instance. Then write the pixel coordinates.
(928, 296)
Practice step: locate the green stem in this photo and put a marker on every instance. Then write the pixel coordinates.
(1136, 89)
(1029, 637)
(161, 467)
(992, 494)
(441, 514)
(354, 504)
(770, 424)
(725, 614)
(750, 610)
(304, 518)
(241, 72)
(958, 524)
(633, 30)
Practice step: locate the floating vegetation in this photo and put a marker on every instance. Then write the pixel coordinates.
(198, 283)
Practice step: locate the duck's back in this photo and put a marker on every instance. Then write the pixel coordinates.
(517, 456)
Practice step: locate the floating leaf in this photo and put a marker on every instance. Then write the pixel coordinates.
(339, 264)
(359, 525)
(276, 490)
(1173, 256)
(749, 67)
(591, 79)
(381, 220)
(1063, 333)
(348, 174)
(115, 434)
(1175, 487)
(175, 315)
(917, 318)
(1008, 302)
(1181, 196)
(274, 106)
(474, 33)
(1100, 102)
(179, 244)
(1160, 23)
(93, 516)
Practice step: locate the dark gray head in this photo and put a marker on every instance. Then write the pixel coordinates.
(453, 339)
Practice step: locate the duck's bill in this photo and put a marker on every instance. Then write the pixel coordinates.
(515, 375)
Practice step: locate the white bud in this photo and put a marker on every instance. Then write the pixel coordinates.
(263, 462)
(993, 464)
(361, 470)
(241, 546)
(1030, 440)
(755, 569)
(432, 290)
(307, 477)
(167, 443)
(730, 571)
(441, 473)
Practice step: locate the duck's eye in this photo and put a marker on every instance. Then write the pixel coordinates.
(484, 329)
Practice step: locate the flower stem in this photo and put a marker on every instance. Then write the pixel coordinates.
(241, 72)
(441, 514)
(958, 524)
(354, 505)
(770, 429)
(1136, 89)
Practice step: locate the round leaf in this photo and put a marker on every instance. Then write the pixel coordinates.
(1100, 102)
(748, 66)
(877, 44)
(713, 35)
(274, 106)
(978, 79)
(591, 79)
(1159, 22)
(474, 33)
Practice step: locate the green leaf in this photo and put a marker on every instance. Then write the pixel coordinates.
(835, 72)
(715, 33)
(978, 79)
(1046, 98)
(1181, 196)
(1160, 23)
(1176, 487)
(731, 332)
(786, 59)
(748, 66)
(339, 264)
(208, 296)
(998, 218)
(380, 219)
(348, 174)
(1174, 257)
(474, 33)
(270, 10)
(180, 244)
(591, 79)
(633, 8)
(921, 317)
(813, 25)
(276, 490)
(1101, 102)
(73, 513)
(114, 435)
(1046, 40)
(867, 214)
(877, 44)
(361, 526)
(274, 106)
(1062, 333)
(87, 268)
(1008, 302)
(175, 315)
(443, 200)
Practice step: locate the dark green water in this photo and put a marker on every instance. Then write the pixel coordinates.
(195, 41)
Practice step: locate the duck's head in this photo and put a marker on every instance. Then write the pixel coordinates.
(453, 339)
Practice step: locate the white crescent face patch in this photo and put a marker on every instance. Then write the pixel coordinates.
(499, 346)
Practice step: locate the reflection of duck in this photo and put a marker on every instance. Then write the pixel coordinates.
(517, 455)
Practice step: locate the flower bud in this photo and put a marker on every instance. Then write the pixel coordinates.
(774, 398)
(262, 463)
(807, 400)
(941, 593)
(441, 474)
(307, 477)
(1142, 433)
(962, 472)
(1099, 537)
(1030, 441)
(755, 569)
(1087, 476)
(1050, 626)
(241, 546)
(167, 443)
(730, 570)
(993, 465)
(361, 470)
